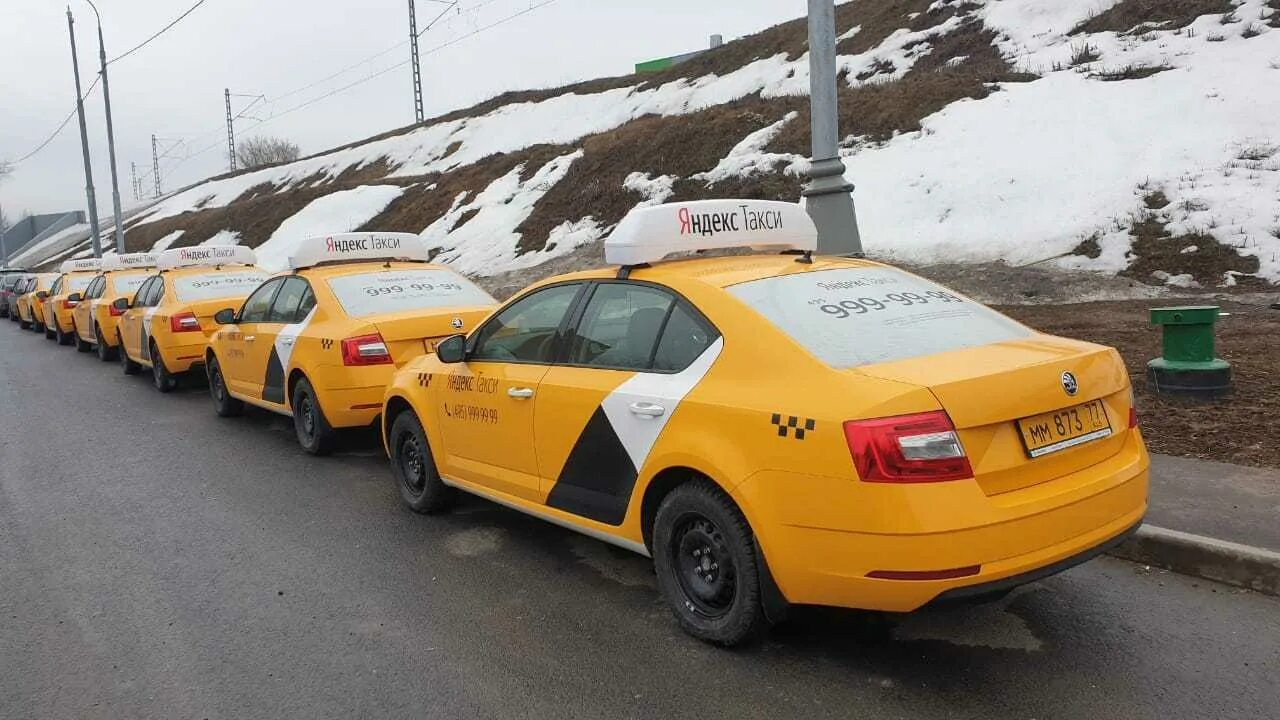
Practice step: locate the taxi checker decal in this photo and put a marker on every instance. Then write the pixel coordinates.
(601, 470)
(791, 426)
(281, 352)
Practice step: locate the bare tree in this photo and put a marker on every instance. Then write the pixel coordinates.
(263, 150)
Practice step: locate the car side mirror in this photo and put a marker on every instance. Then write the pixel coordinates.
(225, 316)
(120, 304)
(452, 349)
(74, 298)
(42, 295)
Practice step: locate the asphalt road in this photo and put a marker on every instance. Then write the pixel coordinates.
(157, 561)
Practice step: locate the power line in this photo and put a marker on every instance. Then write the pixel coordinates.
(61, 125)
(157, 34)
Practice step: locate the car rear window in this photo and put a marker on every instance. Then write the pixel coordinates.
(128, 284)
(218, 284)
(77, 283)
(399, 289)
(861, 316)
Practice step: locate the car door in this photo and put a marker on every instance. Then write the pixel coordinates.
(83, 314)
(487, 403)
(635, 351)
(241, 342)
(132, 332)
(276, 337)
(50, 310)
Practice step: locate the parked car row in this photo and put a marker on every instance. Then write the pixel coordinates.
(772, 428)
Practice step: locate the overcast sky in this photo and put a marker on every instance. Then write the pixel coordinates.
(173, 87)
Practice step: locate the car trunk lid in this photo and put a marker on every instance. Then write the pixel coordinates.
(415, 332)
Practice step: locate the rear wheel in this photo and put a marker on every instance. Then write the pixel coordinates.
(105, 353)
(37, 326)
(414, 467)
(314, 434)
(223, 403)
(24, 324)
(160, 375)
(81, 344)
(51, 331)
(128, 366)
(704, 557)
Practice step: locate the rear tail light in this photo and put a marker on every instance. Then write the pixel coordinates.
(68, 304)
(920, 448)
(184, 322)
(365, 350)
(1133, 417)
(114, 311)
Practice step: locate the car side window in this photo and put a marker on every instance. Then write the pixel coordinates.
(684, 338)
(157, 292)
(94, 291)
(304, 307)
(620, 326)
(140, 297)
(57, 286)
(526, 330)
(259, 303)
(285, 307)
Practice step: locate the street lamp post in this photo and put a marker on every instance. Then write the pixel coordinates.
(828, 197)
(111, 139)
(84, 143)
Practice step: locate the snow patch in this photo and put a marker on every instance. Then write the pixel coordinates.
(749, 158)
(223, 237)
(654, 190)
(166, 241)
(337, 212)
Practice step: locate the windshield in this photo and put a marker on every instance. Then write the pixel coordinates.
(218, 284)
(862, 316)
(391, 291)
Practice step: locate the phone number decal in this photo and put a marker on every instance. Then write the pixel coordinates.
(898, 300)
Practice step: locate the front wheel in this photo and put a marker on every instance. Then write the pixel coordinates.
(223, 403)
(81, 344)
(24, 324)
(62, 337)
(164, 380)
(105, 352)
(704, 557)
(51, 332)
(128, 366)
(314, 434)
(414, 468)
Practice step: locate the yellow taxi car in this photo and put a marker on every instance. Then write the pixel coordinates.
(30, 312)
(321, 341)
(96, 316)
(166, 326)
(777, 429)
(58, 305)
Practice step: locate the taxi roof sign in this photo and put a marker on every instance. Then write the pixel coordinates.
(81, 265)
(128, 261)
(205, 256)
(357, 247)
(652, 233)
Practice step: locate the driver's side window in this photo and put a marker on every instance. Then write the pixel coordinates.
(526, 330)
(94, 291)
(259, 303)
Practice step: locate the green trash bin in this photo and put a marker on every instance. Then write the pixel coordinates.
(1188, 366)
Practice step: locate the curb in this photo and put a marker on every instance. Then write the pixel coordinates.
(1205, 557)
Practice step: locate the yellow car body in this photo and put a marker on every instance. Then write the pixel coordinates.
(30, 313)
(334, 328)
(59, 308)
(167, 325)
(95, 317)
(805, 395)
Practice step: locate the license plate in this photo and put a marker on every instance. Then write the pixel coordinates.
(1061, 429)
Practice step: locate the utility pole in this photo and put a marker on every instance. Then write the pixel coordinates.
(155, 165)
(828, 197)
(417, 69)
(111, 138)
(231, 133)
(133, 180)
(84, 142)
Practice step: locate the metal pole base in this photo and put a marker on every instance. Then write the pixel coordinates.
(1208, 381)
(829, 200)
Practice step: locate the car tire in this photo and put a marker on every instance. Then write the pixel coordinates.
(81, 345)
(61, 337)
(313, 431)
(105, 353)
(37, 326)
(704, 555)
(128, 366)
(164, 380)
(223, 403)
(414, 467)
(24, 324)
(51, 333)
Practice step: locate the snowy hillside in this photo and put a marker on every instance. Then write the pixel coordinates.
(1138, 136)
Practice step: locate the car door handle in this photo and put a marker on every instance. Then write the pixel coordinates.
(287, 341)
(250, 338)
(644, 409)
(520, 393)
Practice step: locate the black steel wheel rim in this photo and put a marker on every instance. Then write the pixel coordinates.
(703, 565)
(307, 410)
(412, 467)
(219, 390)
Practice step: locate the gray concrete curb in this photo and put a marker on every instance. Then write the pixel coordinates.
(1209, 558)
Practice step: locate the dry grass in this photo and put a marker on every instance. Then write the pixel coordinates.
(1084, 54)
(1155, 249)
(1141, 15)
(1129, 72)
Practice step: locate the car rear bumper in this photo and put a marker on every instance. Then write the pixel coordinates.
(1046, 530)
(352, 407)
(184, 358)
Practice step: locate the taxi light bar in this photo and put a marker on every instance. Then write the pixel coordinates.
(358, 247)
(81, 265)
(365, 350)
(921, 448)
(652, 233)
(205, 256)
(184, 322)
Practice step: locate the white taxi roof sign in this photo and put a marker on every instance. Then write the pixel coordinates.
(128, 261)
(652, 233)
(357, 247)
(205, 256)
(81, 265)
